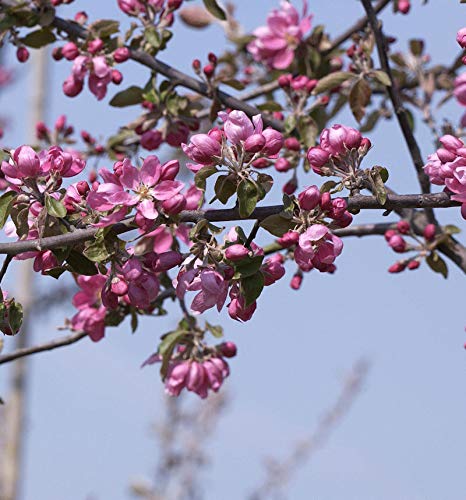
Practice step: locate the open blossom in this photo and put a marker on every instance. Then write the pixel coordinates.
(130, 187)
(447, 167)
(211, 286)
(100, 75)
(90, 317)
(318, 248)
(237, 308)
(275, 43)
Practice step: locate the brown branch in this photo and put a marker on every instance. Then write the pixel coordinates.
(395, 98)
(47, 346)
(394, 202)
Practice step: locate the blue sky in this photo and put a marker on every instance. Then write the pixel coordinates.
(91, 406)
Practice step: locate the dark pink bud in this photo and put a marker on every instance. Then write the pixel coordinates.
(292, 144)
(296, 281)
(81, 17)
(174, 4)
(170, 170)
(309, 198)
(289, 239)
(72, 87)
(95, 46)
(326, 201)
(209, 70)
(212, 58)
(56, 54)
(228, 349)
(117, 77)
(119, 287)
(429, 232)
(216, 134)
(365, 145)
(196, 64)
(344, 220)
(299, 82)
(404, 6)
(60, 123)
(397, 267)
(175, 204)
(389, 233)
(317, 158)
(70, 51)
(22, 54)
(413, 264)
(290, 187)
(254, 143)
(461, 38)
(41, 130)
(339, 206)
(151, 139)
(82, 187)
(403, 226)
(168, 260)
(311, 85)
(261, 163)
(236, 252)
(397, 243)
(121, 54)
(273, 141)
(282, 165)
(285, 81)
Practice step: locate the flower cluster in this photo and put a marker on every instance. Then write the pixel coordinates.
(276, 43)
(340, 151)
(93, 61)
(447, 167)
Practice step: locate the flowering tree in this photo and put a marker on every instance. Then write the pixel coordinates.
(134, 236)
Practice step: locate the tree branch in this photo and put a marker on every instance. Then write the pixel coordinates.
(394, 202)
(47, 346)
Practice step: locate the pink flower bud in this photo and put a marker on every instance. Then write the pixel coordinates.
(174, 4)
(344, 220)
(72, 87)
(261, 163)
(461, 38)
(389, 233)
(429, 232)
(317, 158)
(445, 156)
(311, 85)
(82, 187)
(121, 54)
(22, 54)
(273, 141)
(151, 139)
(326, 201)
(404, 6)
(292, 144)
(290, 187)
(285, 81)
(27, 161)
(397, 243)
(289, 239)
(170, 170)
(451, 143)
(41, 130)
(70, 51)
(95, 46)
(339, 206)
(365, 146)
(117, 77)
(216, 134)
(81, 17)
(296, 281)
(397, 267)
(309, 198)
(236, 252)
(228, 349)
(254, 143)
(403, 226)
(175, 204)
(202, 148)
(209, 70)
(282, 165)
(413, 264)
(119, 287)
(167, 260)
(60, 123)
(299, 82)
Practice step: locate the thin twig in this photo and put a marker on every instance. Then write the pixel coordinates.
(47, 346)
(4, 269)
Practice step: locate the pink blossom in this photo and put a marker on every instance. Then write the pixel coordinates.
(275, 44)
(202, 149)
(309, 198)
(236, 252)
(460, 89)
(273, 269)
(461, 37)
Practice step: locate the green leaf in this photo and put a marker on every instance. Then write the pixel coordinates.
(307, 129)
(332, 80)
(153, 37)
(81, 264)
(251, 287)
(224, 188)
(270, 106)
(215, 330)
(6, 202)
(233, 83)
(382, 77)
(54, 207)
(378, 186)
(328, 186)
(134, 321)
(437, 264)
(166, 348)
(15, 316)
(248, 266)
(97, 250)
(359, 97)
(247, 197)
(416, 46)
(451, 229)
(39, 38)
(128, 97)
(214, 8)
(104, 28)
(290, 124)
(202, 175)
(277, 225)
